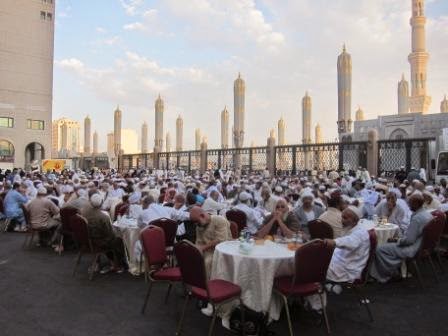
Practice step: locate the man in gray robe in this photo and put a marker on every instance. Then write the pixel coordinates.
(390, 256)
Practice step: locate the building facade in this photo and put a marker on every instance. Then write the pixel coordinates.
(26, 81)
(65, 138)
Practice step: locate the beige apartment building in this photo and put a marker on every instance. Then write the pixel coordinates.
(65, 140)
(26, 80)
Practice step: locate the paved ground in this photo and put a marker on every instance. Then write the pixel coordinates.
(40, 297)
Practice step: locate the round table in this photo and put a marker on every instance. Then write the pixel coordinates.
(254, 273)
(383, 232)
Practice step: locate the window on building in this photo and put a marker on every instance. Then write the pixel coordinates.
(49, 16)
(35, 124)
(6, 122)
(6, 149)
(42, 15)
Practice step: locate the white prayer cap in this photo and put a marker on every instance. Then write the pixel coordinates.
(96, 200)
(42, 191)
(396, 192)
(244, 196)
(278, 189)
(430, 188)
(307, 193)
(67, 189)
(82, 192)
(355, 210)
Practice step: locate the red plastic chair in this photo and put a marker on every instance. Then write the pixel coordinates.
(80, 231)
(311, 265)
(432, 233)
(320, 230)
(66, 214)
(216, 292)
(153, 243)
(237, 216)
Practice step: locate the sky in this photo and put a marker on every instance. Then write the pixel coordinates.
(126, 52)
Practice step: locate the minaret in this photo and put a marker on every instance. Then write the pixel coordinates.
(168, 142)
(197, 138)
(272, 133)
(239, 88)
(179, 133)
(419, 101)
(281, 132)
(144, 146)
(344, 92)
(87, 135)
(318, 134)
(359, 116)
(444, 106)
(306, 119)
(158, 135)
(117, 132)
(95, 143)
(403, 96)
(225, 128)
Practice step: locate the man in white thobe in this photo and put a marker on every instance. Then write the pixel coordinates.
(152, 211)
(254, 218)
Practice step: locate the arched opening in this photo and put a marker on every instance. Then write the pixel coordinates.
(398, 134)
(347, 138)
(34, 151)
(6, 151)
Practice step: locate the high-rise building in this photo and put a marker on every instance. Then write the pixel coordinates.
(26, 81)
(158, 135)
(179, 133)
(281, 132)
(444, 105)
(239, 89)
(168, 142)
(87, 135)
(225, 128)
(95, 143)
(197, 139)
(419, 101)
(359, 116)
(403, 96)
(65, 138)
(306, 119)
(144, 145)
(117, 132)
(344, 92)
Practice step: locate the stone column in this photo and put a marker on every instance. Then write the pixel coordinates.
(372, 152)
(203, 163)
(156, 158)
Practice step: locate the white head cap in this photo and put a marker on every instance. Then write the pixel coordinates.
(96, 200)
(355, 210)
(244, 196)
(42, 191)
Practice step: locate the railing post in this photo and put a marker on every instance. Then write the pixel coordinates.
(294, 161)
(250, 160)
(189, 162)
(408, 145)
(203, 158)
(341, 156)
(156, 158)
(178, 161)
(372, 152)
(167, 161)
(270, 155)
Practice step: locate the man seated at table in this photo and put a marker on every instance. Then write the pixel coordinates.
(210, 231)
(281, 222)
(390, 256)
(212, 204)
(152, 211)
(42, 211)
(102, 234)
(14, 199)
(333, 214)
(395, 210)
(253, 217)
(351, 251)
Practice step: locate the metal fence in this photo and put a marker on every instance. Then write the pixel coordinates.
(393, 154)
(249, 159)
(325, 156)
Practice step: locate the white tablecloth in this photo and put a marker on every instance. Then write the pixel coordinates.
(127, 229)
(255, 273)
(383, 232)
